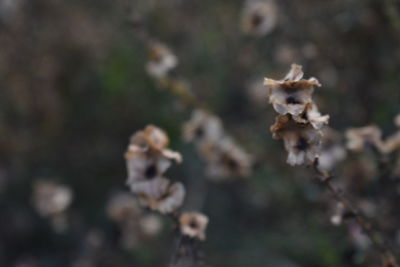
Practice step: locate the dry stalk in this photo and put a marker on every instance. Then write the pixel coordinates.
(325, 179)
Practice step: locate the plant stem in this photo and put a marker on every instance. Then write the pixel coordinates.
(325, 179)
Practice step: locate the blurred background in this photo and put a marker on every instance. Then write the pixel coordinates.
(74, 87)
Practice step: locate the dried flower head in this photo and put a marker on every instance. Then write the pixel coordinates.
(50, 198)
(154, 139)
(358, 138)
(202, 127)
(223, 156)
(160, 194)
(193, 225)
(161, 60)
(147, 160)
(226, 159)
(292, 94)
(147, 156)
(301, 140)
(259, 17)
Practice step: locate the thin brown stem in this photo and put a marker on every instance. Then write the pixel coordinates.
(325, 179)
(182, 92)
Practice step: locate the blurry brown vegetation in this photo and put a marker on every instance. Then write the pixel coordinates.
(74, 87)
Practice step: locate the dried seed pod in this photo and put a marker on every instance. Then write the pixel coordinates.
(193, 225)
(301, 140)
(292, 94)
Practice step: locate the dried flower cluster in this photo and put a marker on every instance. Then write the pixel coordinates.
(225, 159)
(147, 159)
(299, 122)
(301, 127)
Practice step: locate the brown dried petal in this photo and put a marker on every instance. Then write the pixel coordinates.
(295, 74)
(156, 138)
(158, 194)
(172, 200)
(144, 167)
(173, 155)
(147, 156)
(301, 141)
(292, 94)
(313, 116)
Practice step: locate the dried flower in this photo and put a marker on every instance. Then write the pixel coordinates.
(223, 156)
(202, 126)
(357, 138)
(301, 140)
(292, 94)
(50, 198)
(226, 159)
(259, 17)
(147, 160)
(193, 225)
(154, 139)
(162, 60)
(160, 194)
(147, 156)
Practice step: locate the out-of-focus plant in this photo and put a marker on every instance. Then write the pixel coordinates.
(300, 124)
(148, 158)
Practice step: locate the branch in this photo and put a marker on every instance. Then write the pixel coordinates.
(325, 179)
